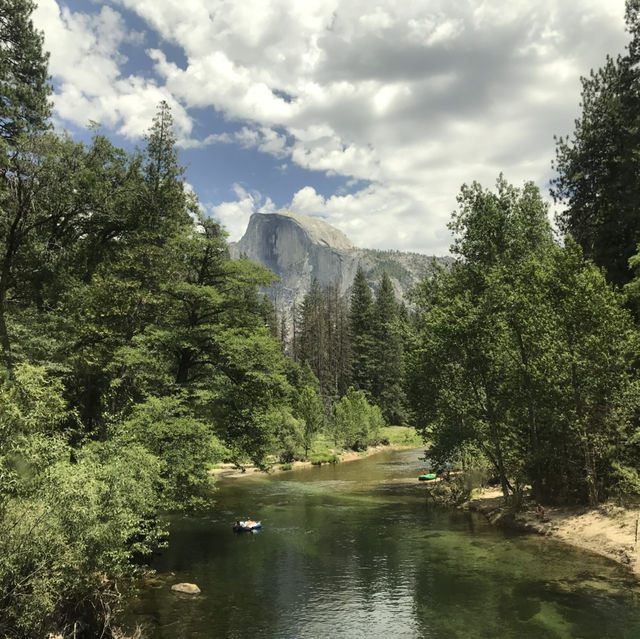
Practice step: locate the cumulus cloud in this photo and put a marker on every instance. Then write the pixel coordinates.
(413, 97)
(86, 60)
(234, 214)
(378, 216)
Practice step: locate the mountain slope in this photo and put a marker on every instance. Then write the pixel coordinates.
(299, 249)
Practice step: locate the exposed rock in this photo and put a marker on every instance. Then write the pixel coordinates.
(186, 588)
(299, 249)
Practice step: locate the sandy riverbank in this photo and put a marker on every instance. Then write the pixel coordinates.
(232, 471)
(608, 530)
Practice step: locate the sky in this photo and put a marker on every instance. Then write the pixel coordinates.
(368, 115)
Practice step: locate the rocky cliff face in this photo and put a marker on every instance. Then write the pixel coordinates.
(300, 249)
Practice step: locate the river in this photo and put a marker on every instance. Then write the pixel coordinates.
(353, 550)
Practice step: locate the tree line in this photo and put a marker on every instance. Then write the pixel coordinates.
(356, 341)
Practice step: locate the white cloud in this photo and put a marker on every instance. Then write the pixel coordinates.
(379, 216)
(413, 97)
(86, 60)
(234, 214)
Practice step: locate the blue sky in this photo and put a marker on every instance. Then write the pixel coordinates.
(367, 115)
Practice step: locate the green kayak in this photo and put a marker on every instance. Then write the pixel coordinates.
(426, 476)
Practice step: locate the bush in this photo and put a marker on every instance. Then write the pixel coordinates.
(356, 423)
(287, 434)
(625, 485)
(63, 547)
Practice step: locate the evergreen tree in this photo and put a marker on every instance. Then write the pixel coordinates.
(387, 387)
(165, 206)
(598, 166)
(339, 345)
(311, 330)
(322, 340)
(24, 87)
(361, 332)
(24, 113)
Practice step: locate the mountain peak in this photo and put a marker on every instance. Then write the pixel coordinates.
(318, 231)
(300, 249)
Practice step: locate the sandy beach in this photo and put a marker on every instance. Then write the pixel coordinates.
(232, 471)
(608, 530)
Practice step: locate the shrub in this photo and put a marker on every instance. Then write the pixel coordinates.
(356, 423)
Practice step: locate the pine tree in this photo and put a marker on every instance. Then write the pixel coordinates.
(24, 111)
(166, 204)
(311, 333)
(387, 388)
(24, 88)
(321, 340)
(361, 332)
(598, 166)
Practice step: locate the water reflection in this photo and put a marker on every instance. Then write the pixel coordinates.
(354, 551)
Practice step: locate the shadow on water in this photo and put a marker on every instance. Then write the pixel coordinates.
(354, 550)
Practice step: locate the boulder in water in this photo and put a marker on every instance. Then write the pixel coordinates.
(187, 589)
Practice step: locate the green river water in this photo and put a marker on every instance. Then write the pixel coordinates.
(353, 550)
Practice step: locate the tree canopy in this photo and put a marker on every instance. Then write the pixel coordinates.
(524, 355)
(599, 164)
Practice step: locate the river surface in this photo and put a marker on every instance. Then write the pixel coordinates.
(353, 550)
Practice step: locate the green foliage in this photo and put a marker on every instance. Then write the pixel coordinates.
(361, 331)
(136, 355)
(524, 354)
(392, 269)
(308, 408)
(356, 423)
(71, 520)
(288, 434)
(321, 340)
(625, 485)
(400, 436)
(184, 446)
(31, 410)
(24, 107)
(597, 167)
(388, 371)
(322, 451)
(86, 521)
(31, 401)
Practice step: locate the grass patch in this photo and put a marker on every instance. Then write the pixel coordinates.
(322, 451)
(400, 436)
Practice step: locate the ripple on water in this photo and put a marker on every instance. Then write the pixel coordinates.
(354, 551)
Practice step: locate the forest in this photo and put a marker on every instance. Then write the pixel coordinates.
(135, 354)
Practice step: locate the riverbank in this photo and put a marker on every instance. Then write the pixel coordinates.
(232, 471)
(608, 530)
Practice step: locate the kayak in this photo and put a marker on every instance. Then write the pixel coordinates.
(426, 476)
(247, 526)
